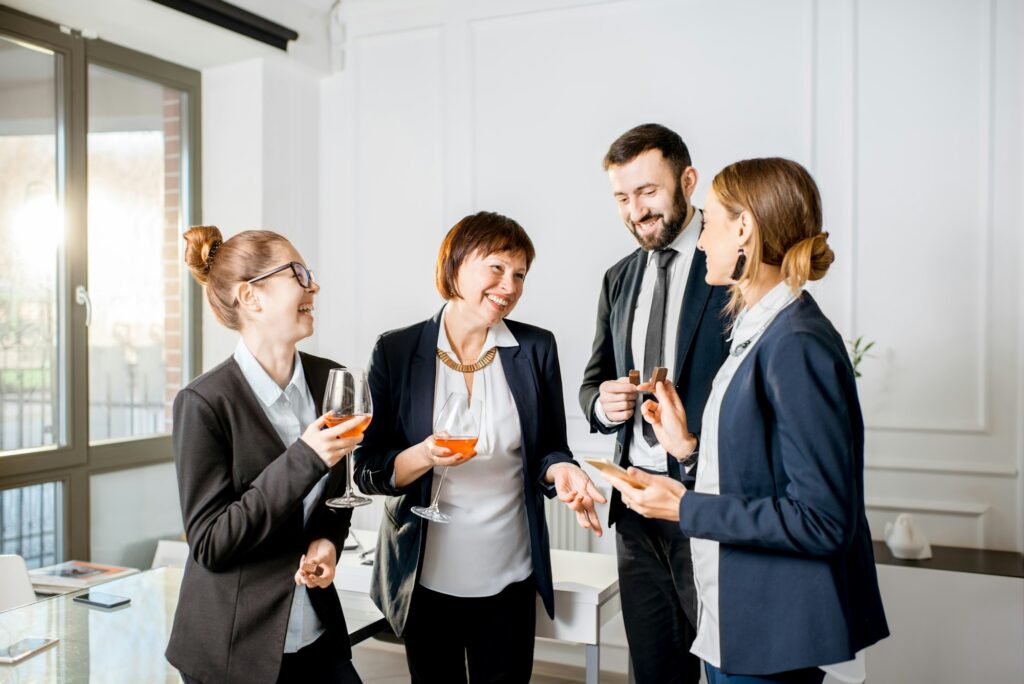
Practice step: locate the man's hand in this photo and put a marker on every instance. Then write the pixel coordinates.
(618, 399)
(577, 491)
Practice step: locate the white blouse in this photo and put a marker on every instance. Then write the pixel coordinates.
(486, 546)
(746, 332)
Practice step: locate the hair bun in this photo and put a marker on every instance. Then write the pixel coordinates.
(822, 256)
(808, 259)
(201, 245)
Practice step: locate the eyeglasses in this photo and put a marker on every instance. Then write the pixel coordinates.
(301, 273)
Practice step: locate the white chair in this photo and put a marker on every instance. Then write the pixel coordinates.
(170, 553)
(15, 585)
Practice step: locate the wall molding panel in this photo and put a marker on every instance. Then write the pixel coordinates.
(908, 114)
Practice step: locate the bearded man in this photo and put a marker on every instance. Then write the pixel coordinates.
(655, 310)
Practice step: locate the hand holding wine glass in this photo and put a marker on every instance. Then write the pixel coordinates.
(348, 408)
(436, 455)
(328, 442)
(455, 434)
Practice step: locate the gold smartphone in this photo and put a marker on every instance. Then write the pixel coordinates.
(606, 466)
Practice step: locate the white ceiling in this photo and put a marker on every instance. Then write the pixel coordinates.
(177, 37)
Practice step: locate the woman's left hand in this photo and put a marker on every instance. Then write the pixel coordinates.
(321, 555)
(659, 498)
(577, 491)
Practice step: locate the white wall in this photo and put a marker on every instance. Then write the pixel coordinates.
(260, 158)
(907, 113)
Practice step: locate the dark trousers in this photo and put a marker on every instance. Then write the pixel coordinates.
(316, 663)
(493, 634)
(810, 675)
(659, 601)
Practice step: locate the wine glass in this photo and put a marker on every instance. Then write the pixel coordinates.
(348, 396)
(455, 429)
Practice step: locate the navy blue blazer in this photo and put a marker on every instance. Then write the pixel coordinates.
(402, 373)
(701, 348)
(797, 582)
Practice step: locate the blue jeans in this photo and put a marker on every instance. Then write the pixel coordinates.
(810, 675)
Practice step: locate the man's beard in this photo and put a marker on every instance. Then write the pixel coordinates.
(671, 226)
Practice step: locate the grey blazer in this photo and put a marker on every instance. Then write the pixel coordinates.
(241, 495)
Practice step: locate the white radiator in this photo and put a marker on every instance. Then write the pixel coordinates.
(564, 531)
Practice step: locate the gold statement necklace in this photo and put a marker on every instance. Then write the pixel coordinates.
(484, 361)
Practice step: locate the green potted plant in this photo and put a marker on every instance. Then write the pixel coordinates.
(858, 349)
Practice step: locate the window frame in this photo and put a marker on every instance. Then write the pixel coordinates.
(76, 461)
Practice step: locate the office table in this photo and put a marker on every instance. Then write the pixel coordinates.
(586, 595)
(124, 644)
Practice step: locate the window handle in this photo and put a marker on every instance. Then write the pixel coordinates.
(82, 299)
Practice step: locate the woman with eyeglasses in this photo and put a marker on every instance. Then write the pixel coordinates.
(255, 465)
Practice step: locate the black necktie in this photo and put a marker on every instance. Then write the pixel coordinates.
(654, 343)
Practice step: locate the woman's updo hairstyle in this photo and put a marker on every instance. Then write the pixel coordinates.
(786, 206)
(220, 265)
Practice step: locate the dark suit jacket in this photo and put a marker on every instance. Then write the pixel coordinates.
(241, 495)
(797, 582)
(701, 348)
(402, 374)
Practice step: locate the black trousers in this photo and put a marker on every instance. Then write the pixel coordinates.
(494, 635)
(316, 663)
(659, 600)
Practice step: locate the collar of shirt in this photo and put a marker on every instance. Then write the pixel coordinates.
(752, 321)
(686, 241)
(498, 335)
(262, 384)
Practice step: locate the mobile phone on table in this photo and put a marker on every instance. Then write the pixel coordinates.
(606, 466)
(20, 650)
(99, 599)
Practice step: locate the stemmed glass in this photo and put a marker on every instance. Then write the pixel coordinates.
(455, 429)
(348, 396)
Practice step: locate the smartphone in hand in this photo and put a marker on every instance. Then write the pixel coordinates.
(606, 466)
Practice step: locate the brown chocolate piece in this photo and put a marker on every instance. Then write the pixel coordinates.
(634, 377)
(659, 374)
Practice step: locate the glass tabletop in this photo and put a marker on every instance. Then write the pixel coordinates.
(123, 644)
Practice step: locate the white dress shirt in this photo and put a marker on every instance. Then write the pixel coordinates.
(486, 546)
(289, 410)
(640, 452)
